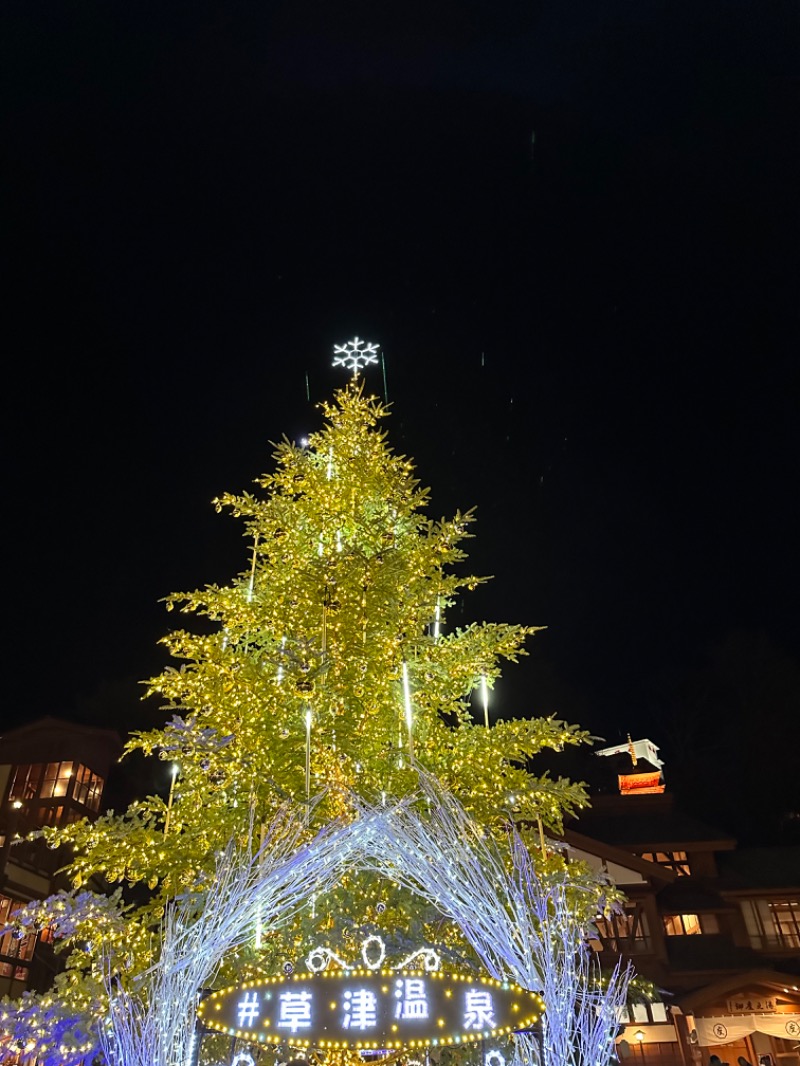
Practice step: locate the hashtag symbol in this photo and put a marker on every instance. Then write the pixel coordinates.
(248, 1009)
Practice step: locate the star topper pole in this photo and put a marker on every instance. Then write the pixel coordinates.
(355, 355)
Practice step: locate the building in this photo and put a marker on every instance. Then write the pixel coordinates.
(715, 927)
(51, 773)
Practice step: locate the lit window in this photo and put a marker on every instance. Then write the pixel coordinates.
(40, 781)
(624, 932)
(49, 815)
(88, 788)
(773, 923)
(649, 1012)
(672, 860)
(690, 924)
(25, 782)
(55, 781)
(12, 946)
(658, 1012)
(786, 921)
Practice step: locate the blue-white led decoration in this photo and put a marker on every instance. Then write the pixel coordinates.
(244, 1058)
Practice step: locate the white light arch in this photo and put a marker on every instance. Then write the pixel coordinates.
(521, 929)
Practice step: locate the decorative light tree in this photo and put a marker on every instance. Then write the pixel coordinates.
(324, 669)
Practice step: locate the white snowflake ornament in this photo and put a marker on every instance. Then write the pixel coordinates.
(355, 354)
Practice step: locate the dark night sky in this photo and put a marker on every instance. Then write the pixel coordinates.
(591, 335)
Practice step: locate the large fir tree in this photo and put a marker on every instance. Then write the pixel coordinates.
(325, 668)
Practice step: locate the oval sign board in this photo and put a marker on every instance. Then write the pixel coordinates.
(370, 1009)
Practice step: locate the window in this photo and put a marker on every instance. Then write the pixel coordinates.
(786, 920)
(12, 946)
(57, 780)
(672, 860)
(643, 1012)
(41, 781)
(690, 924)
(49, 815)
(773, 923)
(88, 788)
(624, 932)
(25, 782)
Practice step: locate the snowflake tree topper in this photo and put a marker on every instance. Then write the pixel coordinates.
(355, 354)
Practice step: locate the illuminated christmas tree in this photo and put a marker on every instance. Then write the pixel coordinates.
(323, 674)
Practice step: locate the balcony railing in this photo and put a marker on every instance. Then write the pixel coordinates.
(786, 942)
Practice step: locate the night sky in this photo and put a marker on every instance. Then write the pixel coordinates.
(573, 229)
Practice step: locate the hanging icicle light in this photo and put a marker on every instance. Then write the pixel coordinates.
(408, 710)
(485, 700)
(280, 664)
(308, 753)
(252, 582)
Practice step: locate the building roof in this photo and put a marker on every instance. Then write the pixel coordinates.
(648, 822)
(745, 979)
(686, 896)
(617, 856)
(635, 754)
(51, 739)
(764, 868)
